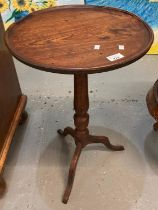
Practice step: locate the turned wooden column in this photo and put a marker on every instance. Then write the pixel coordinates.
(81, 133)
(81, 106)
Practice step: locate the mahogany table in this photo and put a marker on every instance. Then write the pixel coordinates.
(79, 40)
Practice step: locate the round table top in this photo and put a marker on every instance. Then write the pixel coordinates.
(79, 39)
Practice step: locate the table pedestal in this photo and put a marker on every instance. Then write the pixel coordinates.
(81, 133)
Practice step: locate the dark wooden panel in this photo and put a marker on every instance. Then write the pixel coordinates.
(9, 89)
(12, 104)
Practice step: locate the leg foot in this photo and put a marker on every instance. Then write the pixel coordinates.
(23, 118)
(155, 126)
(2, 186)
(67, 131)
(72, 171)
(104, 140)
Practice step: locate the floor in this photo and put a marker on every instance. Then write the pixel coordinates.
(38, 161)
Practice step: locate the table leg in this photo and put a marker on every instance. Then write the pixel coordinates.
(2, 186)
(81, 133)
(72, 171)
(23, 117)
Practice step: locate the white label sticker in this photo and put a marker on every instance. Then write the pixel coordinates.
(115, 57)
(97, 47)
(121, 47)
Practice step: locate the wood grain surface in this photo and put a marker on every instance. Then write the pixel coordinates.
(62, 39)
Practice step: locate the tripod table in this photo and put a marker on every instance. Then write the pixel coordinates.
(79, 40)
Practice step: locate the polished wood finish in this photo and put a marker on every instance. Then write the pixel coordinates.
(2, 187)
(152, 103)
(81, 133)
(19, 117)
(12, 103)
(62, 40)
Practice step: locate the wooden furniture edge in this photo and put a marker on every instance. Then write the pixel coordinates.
(152, 103)
(14, 123)
(74, 70)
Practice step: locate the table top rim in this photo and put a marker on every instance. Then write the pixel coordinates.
(56, 69)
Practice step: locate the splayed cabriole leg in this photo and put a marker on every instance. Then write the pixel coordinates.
(67, 131)
(2, 186)
(105, 140)
(81, 134)
(72, 171)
